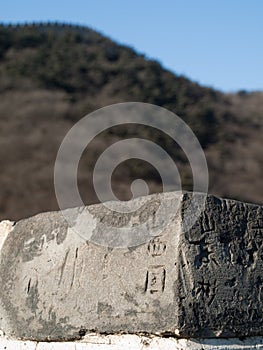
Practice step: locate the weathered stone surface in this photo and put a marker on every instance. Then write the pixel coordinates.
(206, 282)
(219, 279)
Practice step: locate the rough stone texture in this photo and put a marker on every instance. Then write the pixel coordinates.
(206, 282)
(219, 282)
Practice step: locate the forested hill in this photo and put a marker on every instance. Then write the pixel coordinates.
(53, 74)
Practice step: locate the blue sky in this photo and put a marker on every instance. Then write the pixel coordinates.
(216, 43)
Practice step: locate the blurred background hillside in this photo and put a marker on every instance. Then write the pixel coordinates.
(52, 74)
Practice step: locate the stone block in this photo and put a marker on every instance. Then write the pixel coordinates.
(205, 282)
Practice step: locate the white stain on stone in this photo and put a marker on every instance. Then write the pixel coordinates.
(135, 342)
(85, 225)
(6, 227)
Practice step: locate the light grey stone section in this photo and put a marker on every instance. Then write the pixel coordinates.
(57, 286)
(206, 282)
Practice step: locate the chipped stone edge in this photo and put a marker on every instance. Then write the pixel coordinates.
(135, 342)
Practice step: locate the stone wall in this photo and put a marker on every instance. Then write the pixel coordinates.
(204, 282)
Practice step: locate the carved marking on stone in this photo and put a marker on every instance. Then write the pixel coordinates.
(156, 247)
(203, 256)
(256, 229)
(63, 266)
(207, 223)
(74, 268)
(206, 290)
(259, 288)
(155, 279)
(203, 288)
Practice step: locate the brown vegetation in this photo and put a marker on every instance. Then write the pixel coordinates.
(52, 75)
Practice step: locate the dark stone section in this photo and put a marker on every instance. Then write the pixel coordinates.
(220, 276)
